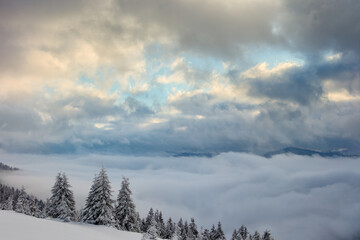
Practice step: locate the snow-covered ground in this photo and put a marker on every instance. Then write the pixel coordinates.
(15, 226)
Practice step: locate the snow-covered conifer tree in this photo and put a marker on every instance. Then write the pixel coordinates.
(54, 201)
(256, 236)
(125, 212)
(8, 205)
(176, 234)
(160, 224)
(169, 229)
(267, 235)
(99, 205)
(34, 207)
(61, 204)
(22, 203)
(200, 235)
(243, 232)
(235, 235)
(193, 229)
(151, 233)
(220, 232)
(148, 219)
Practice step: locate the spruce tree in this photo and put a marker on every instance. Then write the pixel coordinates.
(234, 235)
(99, 205)
(160, 224)
(243, 232)
(62, 204)
(68, 211)
(176, 234)
(151, 233)
(220, 232)
(54, 201)
(8, 205)
(125, 212)
(266, 235)
(170, 229)
(22, 203)
(256, 236)
(193, 229)
(148, 219)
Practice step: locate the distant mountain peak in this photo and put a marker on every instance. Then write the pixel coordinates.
(7, 168)
(309, 152)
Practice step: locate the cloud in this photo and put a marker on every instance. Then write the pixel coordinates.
(286, 194)
(319, 25)
(180, 72)
(214, 27)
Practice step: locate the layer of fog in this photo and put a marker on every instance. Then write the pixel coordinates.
(296, 197)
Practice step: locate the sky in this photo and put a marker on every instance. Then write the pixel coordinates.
(172, 77)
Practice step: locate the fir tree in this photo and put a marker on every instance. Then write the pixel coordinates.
(148, 219)
(193, 229)
(243, 232)
(213, 233)
(200, 234)
(151, 233)
(160, 224)
(99, 205)
(170, 229)
(266, 235)
(176, 234)
(256, 236)
(207, 234)
(9, 204)
(22, 203)
(217, 234)
(125, 213)
(61, 204)
(54, 201)
(234, 235)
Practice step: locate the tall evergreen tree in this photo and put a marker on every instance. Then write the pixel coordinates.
(9, 204)
(235, 235)
(256, 236)
(207, 234)
(151, 233)
(160, 224)
(243, 232)
(267, 235)
(125, 212)
(170, 229)
(99, 205)
(22, 203)
(220, 232)
(62, 204)
(176, 233)
(148, 219)
(217, 234)
(193, 229)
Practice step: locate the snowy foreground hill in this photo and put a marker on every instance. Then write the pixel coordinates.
(15, 226)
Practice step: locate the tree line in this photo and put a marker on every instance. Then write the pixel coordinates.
(101, 209)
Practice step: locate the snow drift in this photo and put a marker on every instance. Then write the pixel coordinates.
(15, 226)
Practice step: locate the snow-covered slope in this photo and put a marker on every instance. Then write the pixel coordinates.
(15, 226)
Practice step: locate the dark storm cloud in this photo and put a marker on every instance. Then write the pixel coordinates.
(299, 86)
(320, 25)
(211, 27)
